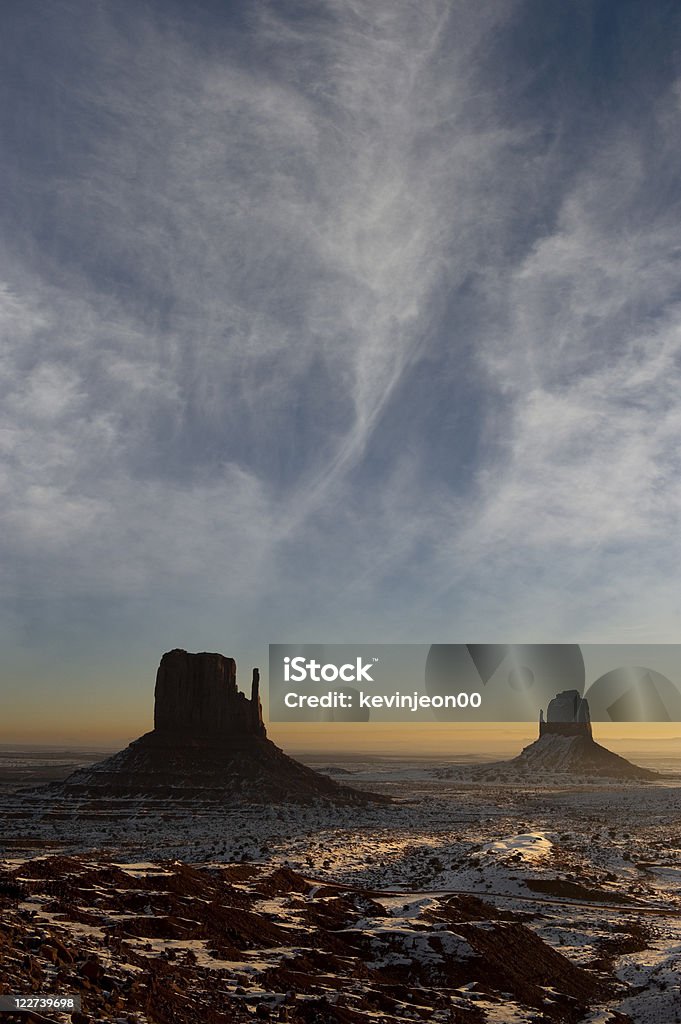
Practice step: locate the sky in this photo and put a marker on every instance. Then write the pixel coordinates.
(331, 321)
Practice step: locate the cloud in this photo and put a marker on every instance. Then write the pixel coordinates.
(325, 299)
(239, 278)
(583, 492)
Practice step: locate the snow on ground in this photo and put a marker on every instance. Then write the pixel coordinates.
(606, 858)
(659, 1002)
(656, 972)
(506, 1012)
(142, 869)
(530, 847)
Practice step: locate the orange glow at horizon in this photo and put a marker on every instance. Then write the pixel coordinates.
(116, 726)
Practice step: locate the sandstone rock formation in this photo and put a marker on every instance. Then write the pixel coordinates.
(197, 695)
(566, 715)
(566, 744)
(208, 743)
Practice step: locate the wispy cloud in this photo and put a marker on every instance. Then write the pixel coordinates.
(584, 492)
(319, 320)
(246, 261)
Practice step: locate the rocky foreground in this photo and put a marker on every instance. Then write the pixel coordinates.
(168, 943)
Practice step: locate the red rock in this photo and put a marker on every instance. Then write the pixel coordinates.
(208, 743)
(197, 695)
(92, 970)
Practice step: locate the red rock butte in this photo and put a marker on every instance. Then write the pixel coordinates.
(196, 695)
(209, 743)
(566, 745)
(567, 715)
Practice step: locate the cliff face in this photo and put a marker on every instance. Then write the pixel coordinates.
(196, 696)
(566, 715)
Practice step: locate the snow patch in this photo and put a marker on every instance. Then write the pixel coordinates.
(529, 847)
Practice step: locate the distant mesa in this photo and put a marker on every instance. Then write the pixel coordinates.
(209, 742)
(566, 715)
(566, 744)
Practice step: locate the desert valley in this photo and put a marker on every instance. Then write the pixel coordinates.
(537, 889)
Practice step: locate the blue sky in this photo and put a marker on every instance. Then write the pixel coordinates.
(335, 321)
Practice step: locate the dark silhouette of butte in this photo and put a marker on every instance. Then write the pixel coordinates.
(208, 743)
(566, 744)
